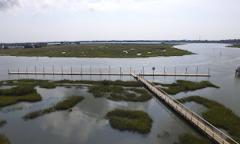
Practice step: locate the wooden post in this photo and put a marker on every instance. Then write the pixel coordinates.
(90, 70)
(143, 71)
(208, 71)
(109, 70)
(197, 70)
(164, 70)
(81, 69)
(71, 71)
(100, 71)
(43, 70)
(62, 69)
(120, 70)
(8, 71)
(53, 69)
(186, 70)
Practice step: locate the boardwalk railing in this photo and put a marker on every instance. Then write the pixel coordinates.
(106, 71)
(196, 120)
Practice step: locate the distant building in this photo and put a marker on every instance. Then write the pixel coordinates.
(15, 46)
(53, 43)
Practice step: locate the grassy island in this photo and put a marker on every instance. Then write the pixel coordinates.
(191, 139)
(99, 50)
(185, 86)
(24, 90)
(20, 93)
(66, 104)
(120, 93)
(218, 115)
(126, 120)
(234, 46)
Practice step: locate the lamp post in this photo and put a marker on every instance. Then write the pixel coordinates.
(153, 69)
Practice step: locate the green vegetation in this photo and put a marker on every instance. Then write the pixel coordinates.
(20, 93)
(47, 84)
(235, 46)
(119, 93)
(19, 90)
(218, 115)
(135, 121)
(184, 86)
(100, 50)
(191, 139)
(105, 82)
(66, 104)
(53, 84)
(41, 83)
(23, 90)
(4, 140)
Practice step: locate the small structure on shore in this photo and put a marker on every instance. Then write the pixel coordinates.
(237, 73)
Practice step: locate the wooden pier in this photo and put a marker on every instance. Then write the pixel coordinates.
(110, 74)
(197, 121)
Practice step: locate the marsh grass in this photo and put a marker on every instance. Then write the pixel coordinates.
(66, 104)
(119, 93)
(24, 89)
(41, 83)
(185, 86)
(191, 139)
(218, 115)
(4, 139)
(234, 46)
(53, 84)
(19, 93)
(132, 94)
(47, 84)
(19, 90)
(126, 120)
(100, 50)
(104, 82)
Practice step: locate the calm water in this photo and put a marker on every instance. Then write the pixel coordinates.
(86, 123)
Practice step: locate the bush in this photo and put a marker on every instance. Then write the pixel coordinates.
(135, 121)
(66, 104)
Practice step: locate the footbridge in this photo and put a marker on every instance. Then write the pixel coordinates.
(197, 121)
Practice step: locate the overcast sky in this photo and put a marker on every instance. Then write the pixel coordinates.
(56, 20)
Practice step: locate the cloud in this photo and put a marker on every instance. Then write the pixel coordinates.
(78, 5)
(8, 4)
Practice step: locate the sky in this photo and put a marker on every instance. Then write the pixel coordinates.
(73, 20)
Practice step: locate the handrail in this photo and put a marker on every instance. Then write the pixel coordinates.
(207, 127)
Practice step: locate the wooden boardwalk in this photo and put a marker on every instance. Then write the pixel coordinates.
(211, 131)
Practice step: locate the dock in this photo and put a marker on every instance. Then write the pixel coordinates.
(108, 71)
(108, 74)
(194, 119)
